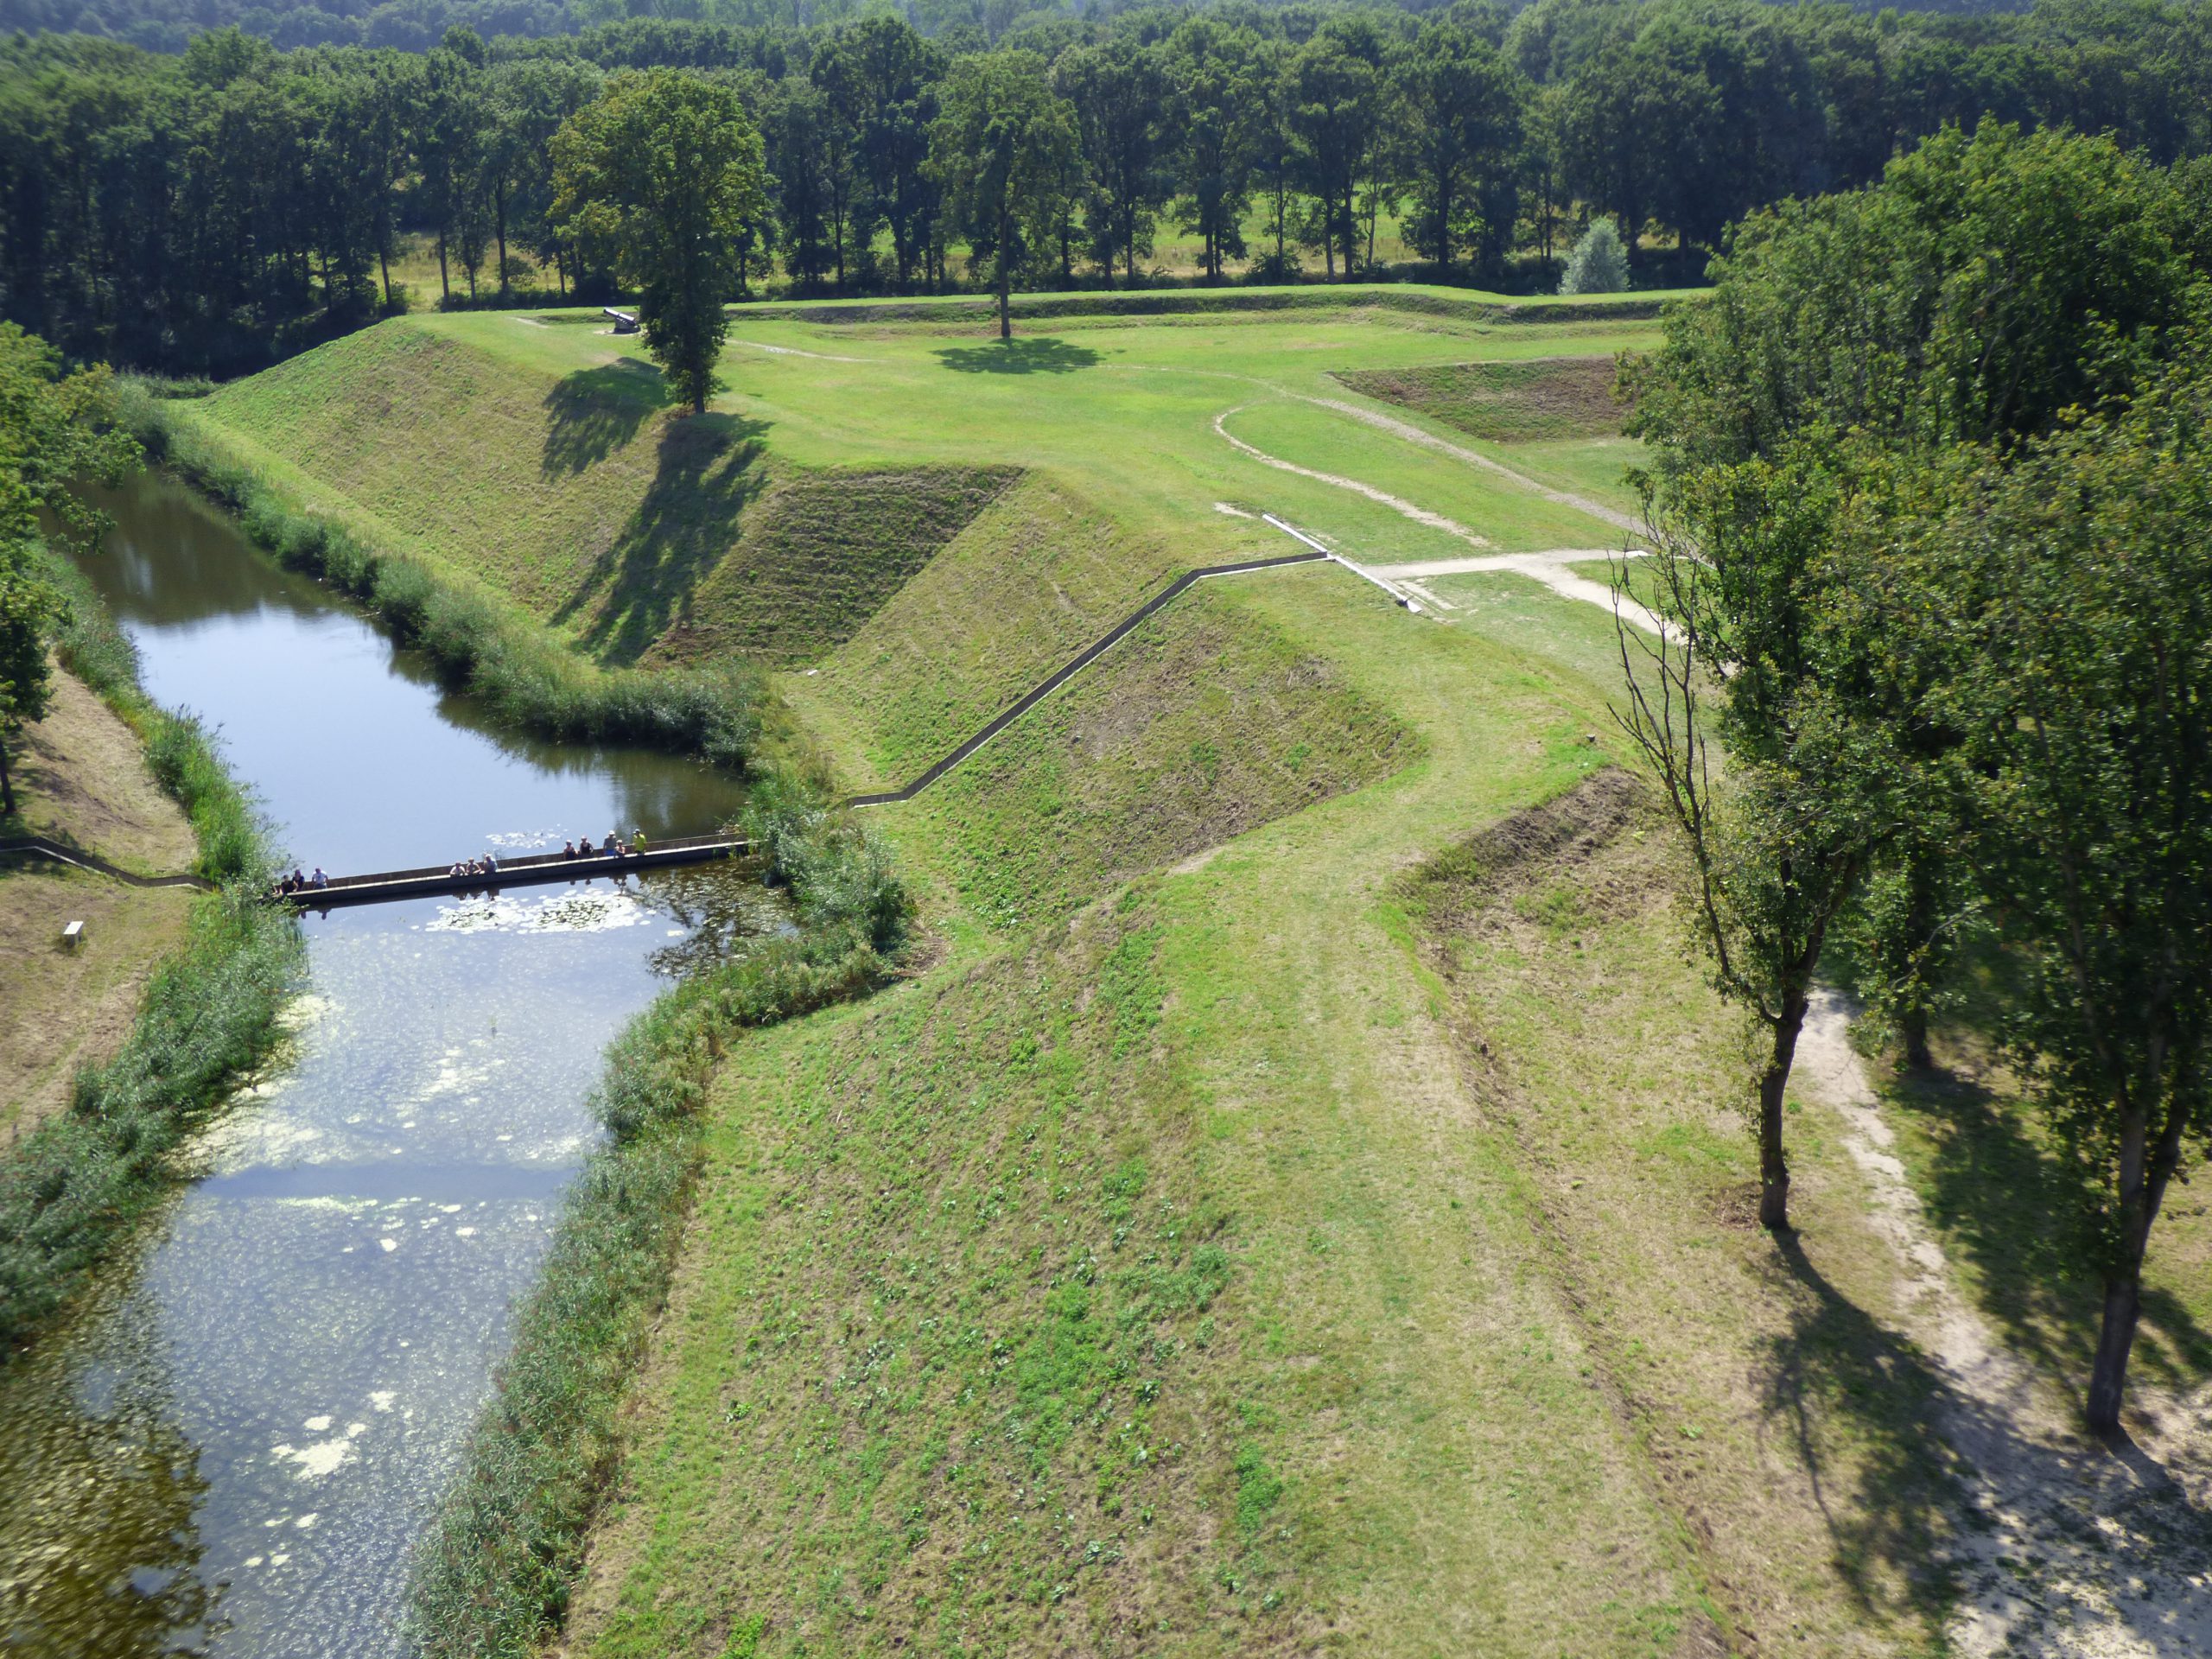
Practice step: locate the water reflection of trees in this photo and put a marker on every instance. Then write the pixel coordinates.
(719, 907)
(100, 1548)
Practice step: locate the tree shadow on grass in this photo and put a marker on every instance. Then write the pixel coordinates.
(2015, 1204)
(709, 473)
(593, 412)
(1952, 1499)
(1837, 1380)
(1033, 354)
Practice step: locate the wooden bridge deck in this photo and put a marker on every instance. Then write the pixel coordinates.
(531, 869)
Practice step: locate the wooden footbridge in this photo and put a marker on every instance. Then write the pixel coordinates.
(531, 869)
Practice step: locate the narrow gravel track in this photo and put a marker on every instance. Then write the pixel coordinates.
(1548, 568)
(1383, 497)
(2073, 1548)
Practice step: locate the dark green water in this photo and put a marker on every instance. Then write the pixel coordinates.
(231, 1448)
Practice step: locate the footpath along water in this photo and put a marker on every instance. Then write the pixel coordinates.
(230, 1447)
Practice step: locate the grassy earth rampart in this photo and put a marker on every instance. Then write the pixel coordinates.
(1294, 1203)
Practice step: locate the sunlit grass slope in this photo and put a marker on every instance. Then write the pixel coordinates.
(1204, 722)
(1148, 1285)
(929, 520)
(551, 469)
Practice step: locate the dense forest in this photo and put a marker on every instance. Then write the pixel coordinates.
(208, 211)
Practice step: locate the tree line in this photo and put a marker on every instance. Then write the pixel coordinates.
(1933, 521)
(208, 212)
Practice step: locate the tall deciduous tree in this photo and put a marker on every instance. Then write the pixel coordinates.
(2072, 608)
(456, 121)
(1118, 90)
(1336, 114)
(880, 78)
(666, 170)
(1753, 661)
(1215, 107)
(1000, 150)
(1458, 105)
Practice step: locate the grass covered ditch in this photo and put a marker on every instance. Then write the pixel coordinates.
(494, 1572)
(72, 1188)
(524, 678)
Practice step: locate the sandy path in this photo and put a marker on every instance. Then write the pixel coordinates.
(1411, 434)
(1548, 568)
(1383, 498)
(793, 351)
(2071, 1548)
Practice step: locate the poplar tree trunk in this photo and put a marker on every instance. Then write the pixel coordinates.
(7, 786)
(1912, 1026)
(1006, 275)
(2144, 1173)
(2109, 1376)
(1774, 1085)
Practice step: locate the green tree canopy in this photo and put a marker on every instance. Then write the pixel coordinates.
(1599, 263)
(666, 171)
(1000, 150)
(54, 429)
(1988, 284)
(2058, 604)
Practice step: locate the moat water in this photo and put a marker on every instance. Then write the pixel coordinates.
(232, 1445)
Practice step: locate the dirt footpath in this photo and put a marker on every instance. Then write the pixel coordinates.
(2073, 1548)
(82, 778)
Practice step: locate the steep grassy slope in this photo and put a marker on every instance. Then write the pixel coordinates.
(1037, 577)
(824, 554)
(1380, 1434)
(1202, 724)
(554, 471)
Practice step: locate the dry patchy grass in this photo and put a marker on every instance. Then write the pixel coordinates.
(1507, 402)
(1787, 1421)
(81, 779)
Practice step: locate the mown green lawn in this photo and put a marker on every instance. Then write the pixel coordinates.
(541, 459)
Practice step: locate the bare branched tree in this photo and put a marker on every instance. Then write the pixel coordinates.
(1781, 828)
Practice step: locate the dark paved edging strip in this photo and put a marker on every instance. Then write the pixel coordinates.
(77, 858)
(888, 797)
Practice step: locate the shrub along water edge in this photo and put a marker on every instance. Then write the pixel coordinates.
(492, 1574)
(70, 1190)
(528, 679)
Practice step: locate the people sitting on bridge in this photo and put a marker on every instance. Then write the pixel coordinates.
(459, 867)
(295, 881)
(610, 847)
(637, 840)
(567, 850)
(491, 863)
(318, 880)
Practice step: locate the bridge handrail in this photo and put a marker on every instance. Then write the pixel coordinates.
(526, 862)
